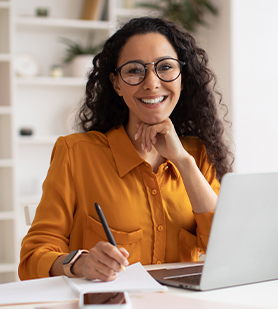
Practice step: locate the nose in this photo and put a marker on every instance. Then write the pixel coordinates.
(151, 81)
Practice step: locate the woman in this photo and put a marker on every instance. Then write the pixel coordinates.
(151, 155)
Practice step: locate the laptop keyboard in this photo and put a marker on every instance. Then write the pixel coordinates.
(192, 279)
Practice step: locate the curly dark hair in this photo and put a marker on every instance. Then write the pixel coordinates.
(196, 113)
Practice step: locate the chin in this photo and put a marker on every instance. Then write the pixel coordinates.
(155, 120)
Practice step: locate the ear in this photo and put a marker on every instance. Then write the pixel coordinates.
(115, 82)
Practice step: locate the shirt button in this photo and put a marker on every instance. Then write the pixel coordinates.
(158, 262)
(160, 228)
(154, 192)
(166, 167)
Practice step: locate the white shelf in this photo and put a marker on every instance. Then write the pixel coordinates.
(6, 215)
(5, 57)
(6, 162)
(61, 23)
(5, 110)
(127, 13)
(4, 4)
(51, 81)
(8, 267)
(30, 199)
(37, 140)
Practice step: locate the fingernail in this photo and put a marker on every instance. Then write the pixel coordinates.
(136, 136)
(126, 263)
(143, 146)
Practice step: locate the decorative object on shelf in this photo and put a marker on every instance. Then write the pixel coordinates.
(26, 131)
(57, 71)
(129, 4)
(190, 13)
(94, 9)
(42, 12)
(26, 65)
(80, 56)
(81, 65)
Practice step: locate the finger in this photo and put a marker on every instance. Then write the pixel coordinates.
(148, 140)
(95, 269)
(105, 256)
(117, 256)
(138, 133)
(143, 137)
(153, 134)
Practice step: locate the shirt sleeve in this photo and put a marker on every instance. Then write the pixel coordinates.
(48, 236)
(204, 221)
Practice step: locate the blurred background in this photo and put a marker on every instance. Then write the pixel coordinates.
(46, 49)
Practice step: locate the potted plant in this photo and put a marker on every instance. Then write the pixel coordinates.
(190, 13)
(80, 56)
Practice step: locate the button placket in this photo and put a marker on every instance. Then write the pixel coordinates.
(158, 214)
(159, 222)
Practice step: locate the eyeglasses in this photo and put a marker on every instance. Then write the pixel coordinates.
(134, 72)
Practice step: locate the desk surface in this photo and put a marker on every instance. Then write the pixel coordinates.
(258, 295)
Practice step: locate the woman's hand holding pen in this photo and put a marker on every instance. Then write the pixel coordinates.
(103, 262)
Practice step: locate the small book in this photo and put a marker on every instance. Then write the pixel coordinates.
(93, 9)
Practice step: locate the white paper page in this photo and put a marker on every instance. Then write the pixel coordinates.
(135, 278)
(53, 289)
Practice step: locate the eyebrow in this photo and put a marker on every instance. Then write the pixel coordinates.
(157, 59)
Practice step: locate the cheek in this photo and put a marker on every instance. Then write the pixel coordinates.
(176, 89)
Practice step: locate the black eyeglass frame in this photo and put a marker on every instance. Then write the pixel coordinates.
(181, 63)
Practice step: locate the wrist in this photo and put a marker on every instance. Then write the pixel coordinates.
(70, 261)
(77, 267)
(184, 161)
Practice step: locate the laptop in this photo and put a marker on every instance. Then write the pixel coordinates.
(243, 242)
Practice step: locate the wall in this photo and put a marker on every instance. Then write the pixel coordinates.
(254, 33)
(215, 38)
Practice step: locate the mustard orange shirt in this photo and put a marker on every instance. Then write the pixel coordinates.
(149, 214)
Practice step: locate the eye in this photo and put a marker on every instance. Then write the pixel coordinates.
(133, 69)
(165, 66)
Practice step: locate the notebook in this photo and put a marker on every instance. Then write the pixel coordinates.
(243, 242)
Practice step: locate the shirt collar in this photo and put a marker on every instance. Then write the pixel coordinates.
(124, 153)
(175, 171)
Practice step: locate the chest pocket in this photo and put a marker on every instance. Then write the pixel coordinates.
(131, 241)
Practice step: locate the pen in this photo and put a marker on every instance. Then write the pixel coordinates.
(106, 228)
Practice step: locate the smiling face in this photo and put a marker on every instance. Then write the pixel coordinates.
(153, 100)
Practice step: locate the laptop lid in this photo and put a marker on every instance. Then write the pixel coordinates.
(243, 245)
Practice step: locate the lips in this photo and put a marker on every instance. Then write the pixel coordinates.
(153, 101)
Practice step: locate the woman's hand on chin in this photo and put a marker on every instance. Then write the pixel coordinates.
(163, 137)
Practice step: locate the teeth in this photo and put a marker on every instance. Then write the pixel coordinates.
(153, 101)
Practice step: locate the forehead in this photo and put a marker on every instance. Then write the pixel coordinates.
(147, 48)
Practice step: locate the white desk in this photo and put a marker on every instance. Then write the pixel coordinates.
(259, 295)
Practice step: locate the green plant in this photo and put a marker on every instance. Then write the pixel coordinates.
(189, 12)
(74, 48)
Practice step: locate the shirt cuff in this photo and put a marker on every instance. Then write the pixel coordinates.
(46, 263)
(204, 222)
